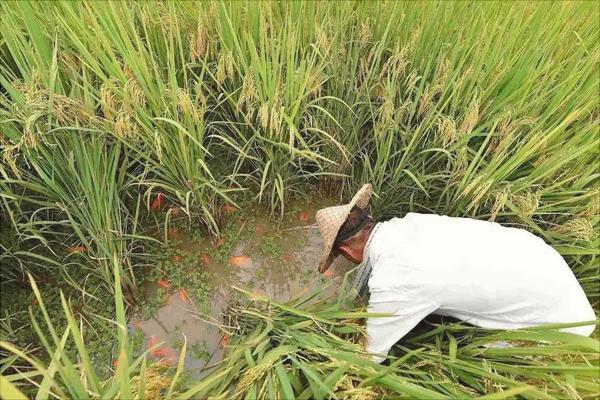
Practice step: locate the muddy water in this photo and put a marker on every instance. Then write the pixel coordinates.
(278, 260)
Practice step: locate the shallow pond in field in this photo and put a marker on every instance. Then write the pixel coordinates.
(278, 260)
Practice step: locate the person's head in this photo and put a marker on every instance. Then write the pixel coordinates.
(353, 235)
(345, 229)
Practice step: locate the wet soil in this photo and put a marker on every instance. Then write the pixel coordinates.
(276, 259)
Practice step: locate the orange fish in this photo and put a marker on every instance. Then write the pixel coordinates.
(259, 229)
(163, 283)
(176, 212)
(241, 261)
(160, 352)
(206, 259)
(304, 216)
(152, 344)
(229, 209)
(218, 243)
(176, 259)
(224, 341)
(328, 273)
(76, 249)
(184, 296)
(158, 201)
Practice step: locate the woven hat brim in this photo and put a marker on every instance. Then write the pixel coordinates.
(361, 199)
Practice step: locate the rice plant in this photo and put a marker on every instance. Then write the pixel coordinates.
(68, 377)
(68, 198)
(315, 349)
(115, 115)
(311, 348)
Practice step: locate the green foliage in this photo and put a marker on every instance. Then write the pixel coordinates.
(270, 248)
(68, 374)
(151, 303)
(180, 269)
(176, 339)
(200, 350)
(74, 375)
(137, 341)
(92, 308)
(491, 114)
(315, 350)
(487, 110)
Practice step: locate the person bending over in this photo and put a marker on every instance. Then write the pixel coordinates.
(480, 272)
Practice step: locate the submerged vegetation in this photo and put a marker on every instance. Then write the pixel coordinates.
(314, 351)
(121, 121)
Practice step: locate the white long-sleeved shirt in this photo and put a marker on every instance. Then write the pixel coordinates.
(480, 272)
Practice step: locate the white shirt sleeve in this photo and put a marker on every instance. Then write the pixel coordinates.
(384, 332)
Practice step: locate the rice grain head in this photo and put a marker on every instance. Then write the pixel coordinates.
(528, 202)
(365, 34)
(414, 38)
(500, 198)
(276, 116)
(508, 131)
(70, 111)
(322, 41)
(386, 111)
(446, 131)
(503, 136)
(200, 100)
(396, 64)
(134, 95)
(71, 65)
(128, 71)
(578, 228)
(109, 103)
(158, 145)
(411, 82)
(224, 66)
(36, 98)
(365, 64)
(199, 42)
(264, 115)
(250, 376)
(156, 381)
(593, 209)
(185, 103)
(123, 126)
(425, 101)
(403, 112)
(348, 387)
(315, 83)
(460, 82)
(441, 75)
(9, 155)
(471, 117)
(248, 95)
(477, 189)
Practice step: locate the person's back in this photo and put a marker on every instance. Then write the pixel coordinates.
(480, 272)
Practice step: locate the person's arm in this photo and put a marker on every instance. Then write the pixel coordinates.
(384, 332)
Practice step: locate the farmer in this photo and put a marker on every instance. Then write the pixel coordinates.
(480, 272)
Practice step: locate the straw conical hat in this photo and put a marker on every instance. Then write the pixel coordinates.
(331, 219)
